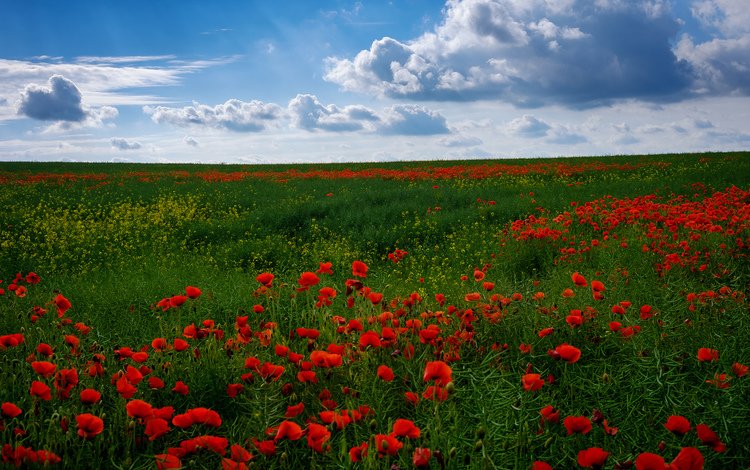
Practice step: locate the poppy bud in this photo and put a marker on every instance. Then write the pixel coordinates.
(283, 456)
(548, 442)
(481, 432)
(373, 425)
(605, 377)
(478, 445)
(287, 389)
(450, 387)
(452, 453)
(384, 444)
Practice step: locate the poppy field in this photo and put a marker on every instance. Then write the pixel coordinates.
(531, 314)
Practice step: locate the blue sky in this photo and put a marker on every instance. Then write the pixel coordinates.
(301, 81)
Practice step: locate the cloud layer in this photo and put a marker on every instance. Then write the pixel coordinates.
(233, 115)
(579, 53)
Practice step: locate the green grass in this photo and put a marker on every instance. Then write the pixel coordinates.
(117, 244)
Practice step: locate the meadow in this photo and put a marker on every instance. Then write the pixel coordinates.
(531, 313)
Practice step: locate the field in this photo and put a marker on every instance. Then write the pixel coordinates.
(583, 313)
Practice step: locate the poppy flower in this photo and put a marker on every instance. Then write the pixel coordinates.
(568, 353)
(10, 410)
(405, 428)
(708, 355)
(240, 454)
(294, 410)
(436, 393)
(478, 275)
(167, 461)
(385, 373)
(574, 320)
(89, 396)
(357, 453)
(549, 414)
(325, 268)
(40, 390)
(155, 428)
(177, 300)
(265, 278)
(359, 269)
(205, 416)
(545, 332)
(421, 457)
(306, 280)
(438, 371)
(62, 304)
(740, 370)
(720, 380)
(540, 465)
(689, 458)
(288, 430)
(234, 389)
(89, 425)
(579, 280)
(125, 388)
(44, 368)
(532, 382)
(412, 398)
(139, 409)
(649, 461)
(593, 457)
(678, 424)
(710, 438)
(193, 292)
(387, 445)
(181, 388)
(317, 435)
(577, 425)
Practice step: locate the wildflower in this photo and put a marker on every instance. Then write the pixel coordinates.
(740, 370)
(288, 430)
(593, 457)
(438, 371)
(317, 435)
(405, 428)
(40, 390)
(10, 410)
(689, 458)
(708, 355)
(89, 425)
(359, 269)
(385, 373)
(62, 304)
(579, 280)
(421, 457)
(193, 292)
(710, 438)
(89, 396)
(532, 382)
(577, 424)
(387, 445)
(306, 280)
(265, 278)
(568, 353)
(678, 425)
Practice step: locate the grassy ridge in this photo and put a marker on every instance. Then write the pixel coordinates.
(117, 244)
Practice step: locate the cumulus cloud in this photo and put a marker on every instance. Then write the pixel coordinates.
(62, 103)
(413, 120)
(191, 141)
(233, 115)
(528, 126)
(529, 53)
(310, 114)
(124, 144)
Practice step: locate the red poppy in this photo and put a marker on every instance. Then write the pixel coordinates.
(10, 410)
(708, 355)
(593, 457)
(577, 424)
(421, 457)
(740, 370)
(155, 428)
(317, 435)
(545, 332)
(193, 292)
(306, 280)
(478, 275)
(568, 353)
(549, 414)
(167, 461)
(181, 388)
(205, 416)
(177, 300)
(649, 461)
(579, 280)
(436, 393)
(438, 371)
(234, 389)
(359, 269)
(532, 382)
(125, 388)
(325, 268)
(240, 454)
(597, 286)
(412, 398)
(40, 390)
(574, 320)
(385, 373)
(265, 278)
(44, 368)
(89, 425)
(689, 458)
(405, 428)
(357, 453)
(62, 304)
(387, 445)
(139, 409)
(288, 430)
(180, 344)
(89, 396)
(678, 425)
(710, 438)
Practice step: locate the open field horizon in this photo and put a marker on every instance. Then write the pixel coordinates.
(577, 312)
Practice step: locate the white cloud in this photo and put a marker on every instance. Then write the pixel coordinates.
(526, 52)
(124, 144)
(310, 114)
(233, 115)
(458, 140)
(528, 126)
(61, 102)
(191, 141)
(413, 120)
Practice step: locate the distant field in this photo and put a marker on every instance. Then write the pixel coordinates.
(469, 322)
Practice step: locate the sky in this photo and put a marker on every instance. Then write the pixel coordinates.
(347, 81)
